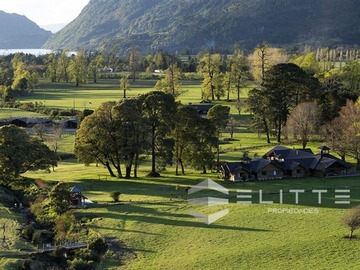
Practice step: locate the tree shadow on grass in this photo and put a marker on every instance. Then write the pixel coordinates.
(153, 216)
(180, 223)
(123, 230)
(126, 187)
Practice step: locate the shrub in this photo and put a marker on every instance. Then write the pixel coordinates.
(99, 246)
(64, 224)
(40, 237)
(79, 264)
(351, 219)
(115, 195)
(28, 232)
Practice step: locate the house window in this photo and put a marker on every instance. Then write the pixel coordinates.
(275, 172)
(298, 171)
(264, 173)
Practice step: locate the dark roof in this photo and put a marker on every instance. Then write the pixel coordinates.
(255, 165)
(327, 160)
(306, 158)
(288, 159)
(287, 153)
(201, 107)
(287, 165)
(75, 189)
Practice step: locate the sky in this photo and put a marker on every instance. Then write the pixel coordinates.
(45, 12)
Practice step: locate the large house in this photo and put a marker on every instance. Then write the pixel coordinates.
(283, 162)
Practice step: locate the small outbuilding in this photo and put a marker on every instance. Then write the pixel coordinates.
(77, 199)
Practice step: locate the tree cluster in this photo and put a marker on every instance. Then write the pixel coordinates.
(299, 97)
(119, 134)
(19, 152)
(16, 78)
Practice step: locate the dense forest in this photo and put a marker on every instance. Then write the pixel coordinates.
(172, 25)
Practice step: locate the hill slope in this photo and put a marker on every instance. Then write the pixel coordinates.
(18, 32)
(196, 24)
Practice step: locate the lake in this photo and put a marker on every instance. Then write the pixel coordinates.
(26, 51)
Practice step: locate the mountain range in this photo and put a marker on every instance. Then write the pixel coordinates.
(193, 25)
(198, 24)
(18, 32)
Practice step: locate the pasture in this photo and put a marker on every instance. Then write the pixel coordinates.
(91, 95)
(6, 113)
(155, 230)
(151, 227)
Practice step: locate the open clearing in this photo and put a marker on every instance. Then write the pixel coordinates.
(154, 223)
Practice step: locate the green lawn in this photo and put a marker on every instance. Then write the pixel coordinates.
(154, 224)
(91, 95)
(152, 229)
(6, 113)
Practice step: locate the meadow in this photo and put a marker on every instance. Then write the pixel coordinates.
(154, 229)
(151, 227)
(11, 243)
(91, 95)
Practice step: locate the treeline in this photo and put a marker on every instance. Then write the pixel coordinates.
(314, 94)
(64, 66)
(120, 134)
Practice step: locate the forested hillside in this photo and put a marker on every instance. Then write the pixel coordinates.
(198, 24)
(18, 32)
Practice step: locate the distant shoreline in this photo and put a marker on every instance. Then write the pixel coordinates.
(36, 52)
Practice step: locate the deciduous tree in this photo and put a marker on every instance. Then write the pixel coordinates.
(60, 197)
(134, 57)
(158, 109)
(240, 71)
(19, 152)
(95, 65)
(124, 85)
(78, 68)
(263, 58)
(303, 121)
(351, 77)
(23, 79)
(219, 117)
(209, 67)
(351, 219)
(130, 129)
(63, 66)
(199, 154)
(285, 86)
(171, 82)
(52, 67)
(97, 139)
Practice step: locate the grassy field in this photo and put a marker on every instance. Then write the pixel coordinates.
(156, 231)
(152, 229)
(91, 95)
(6, 113)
